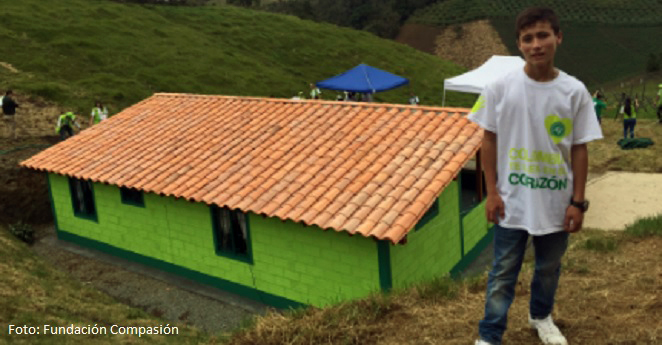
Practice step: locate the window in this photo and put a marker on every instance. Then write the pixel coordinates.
(231, 233)
(132, 196)
(82, 198)
(429, 214)
(472, 185)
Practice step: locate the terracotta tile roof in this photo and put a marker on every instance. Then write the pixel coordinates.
(366, 168)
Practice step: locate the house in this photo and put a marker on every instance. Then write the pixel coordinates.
(289, 202)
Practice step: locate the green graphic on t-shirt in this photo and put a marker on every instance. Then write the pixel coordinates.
(537, 169)
(480, 104)
(557, 127)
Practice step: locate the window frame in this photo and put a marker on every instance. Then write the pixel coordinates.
(74, 199)
(479, 193)
(231, 254)
(127, 200)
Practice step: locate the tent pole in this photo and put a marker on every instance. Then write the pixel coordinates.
(443, 99)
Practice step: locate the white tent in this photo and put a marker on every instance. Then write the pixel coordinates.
(475, 80)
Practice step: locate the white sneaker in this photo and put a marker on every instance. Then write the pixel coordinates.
(547, 331)
(481, 342)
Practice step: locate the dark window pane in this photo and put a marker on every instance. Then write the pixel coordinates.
(239, 232)
(231, 231)
(82, 197)
(132, 196)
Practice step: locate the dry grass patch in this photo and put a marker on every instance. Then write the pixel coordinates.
(33, 293)
(609, 294)
(605, 155)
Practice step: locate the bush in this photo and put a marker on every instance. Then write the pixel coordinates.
(22, 231)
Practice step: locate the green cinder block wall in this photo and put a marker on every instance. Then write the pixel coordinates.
(434, 249)
(303, 264)
(475, 227)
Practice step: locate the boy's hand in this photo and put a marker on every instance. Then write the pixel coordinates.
(574, 218)
(494, 208)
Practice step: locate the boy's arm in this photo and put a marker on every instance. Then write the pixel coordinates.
(494, 207)
(574, 217)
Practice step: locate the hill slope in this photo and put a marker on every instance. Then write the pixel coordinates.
(74, 51)
(604, 40)
(608, 294)
(36, 294)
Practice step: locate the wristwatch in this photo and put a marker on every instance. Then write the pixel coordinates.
(581, 205)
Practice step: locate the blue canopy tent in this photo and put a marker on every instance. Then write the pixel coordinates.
(363, 79)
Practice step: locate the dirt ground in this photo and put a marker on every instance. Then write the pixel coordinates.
(23, 193)
(160, 294)
(619, 198)
(421, 37)
(468, 45)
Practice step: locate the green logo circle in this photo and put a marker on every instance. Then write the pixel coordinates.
(557, 129)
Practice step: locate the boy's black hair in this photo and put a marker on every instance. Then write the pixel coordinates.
(533, 15)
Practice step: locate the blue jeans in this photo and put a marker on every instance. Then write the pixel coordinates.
(509, 247)
(628, 125)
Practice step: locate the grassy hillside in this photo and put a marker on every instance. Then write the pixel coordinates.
(74, 51)
(34, 294)
(605, 40)
(597, 53)
(631, 12)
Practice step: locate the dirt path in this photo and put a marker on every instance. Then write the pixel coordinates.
(9, 67)
(161, 294)
(619, 198)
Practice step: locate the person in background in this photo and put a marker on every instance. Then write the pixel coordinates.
(64, 125)
(9, 110)
(98, 114)
(315, 92)
(413, 99)
(534, 109)
(599, 105)
(629, 117)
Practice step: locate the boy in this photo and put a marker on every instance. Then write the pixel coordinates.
(537, 122)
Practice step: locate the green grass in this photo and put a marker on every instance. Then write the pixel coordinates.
(597, 54)
(649, 226)
(601, 243)
(631, 12)
(75, 51)
(604, 40)
(445, 311)
(34, 294)
(644, 86)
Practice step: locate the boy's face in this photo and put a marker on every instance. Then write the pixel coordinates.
(538, 44)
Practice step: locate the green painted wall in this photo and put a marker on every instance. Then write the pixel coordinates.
(303, 264)
(433, 250)
(310, 265)
(475, 227)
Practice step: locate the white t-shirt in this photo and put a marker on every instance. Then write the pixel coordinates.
(536, 125)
